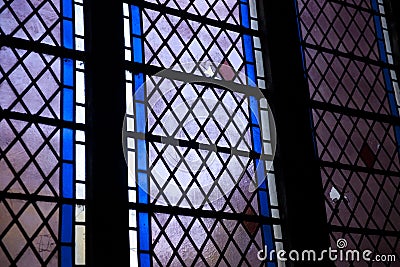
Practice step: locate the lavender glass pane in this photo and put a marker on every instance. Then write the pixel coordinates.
(32, 77)
(43, 236)
(344, 82)
(29, 165)
(225, 11)
(169, 40)
(336, 26)
(37, 21)
(203, 114)
(361, 200)
(356, 141)
(199, 241)
(197, 173)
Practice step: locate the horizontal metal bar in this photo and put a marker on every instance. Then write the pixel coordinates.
(196, 145)
(337, 165)
(189, 16)
(40, 120)
(347, 4)
(363, 231)
(349, 55)
(36, 198)
(151, 208)
(355, 113)
(37, 47)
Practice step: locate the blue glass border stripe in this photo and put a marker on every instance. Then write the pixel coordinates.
(68, 34)
(144, 233)
(68, 144)
(67, 180)
(143, 187)
(248, 48)
(67, 8)
(137, 50)
(267, 236)
(244, 9)
(256, 133)
(141, 155)
(136, 20)
(68, 72)
(139, 90)
(386, 73)
(255, 117)
(140, 113)
(66, 256)
(67, 138)
(141, 146)
(264, 207)
(144, 260)
(66, 223)
(68, 104)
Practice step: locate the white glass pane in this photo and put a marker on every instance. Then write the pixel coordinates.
(79, 44)
(79, 28)
(80, 114)
(80, 244)
(387, 41)
(126, 10)
(131, 143)
(384, 24)
(128, 55)
(131, 168)
(132, 239)
(127, 35)
(253, 8)
(261, 84)
(80, 136)
(266, 134)
(80, 65)
(80, 163)
(128, 75)
(80, 213)
(132, 218)
(129, 99)
(267, 148)
(80, 191)
(277, 231)
(257, 42)
(272, 189)
(259, 63)
(254, 25)
(132, 196)
(275, 213)
(80, 87)
(130, 125)
(133, 258)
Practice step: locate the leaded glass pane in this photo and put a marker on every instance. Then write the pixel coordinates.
(42, 144)
(32, 20)
(29, 232)
(350, 69)
(193, 144)
(31, 83)
(53, 22)
(224, 11)
(190, 241)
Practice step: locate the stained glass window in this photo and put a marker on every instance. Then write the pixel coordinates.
(353, 84)
(190, 141)
(42, 125)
